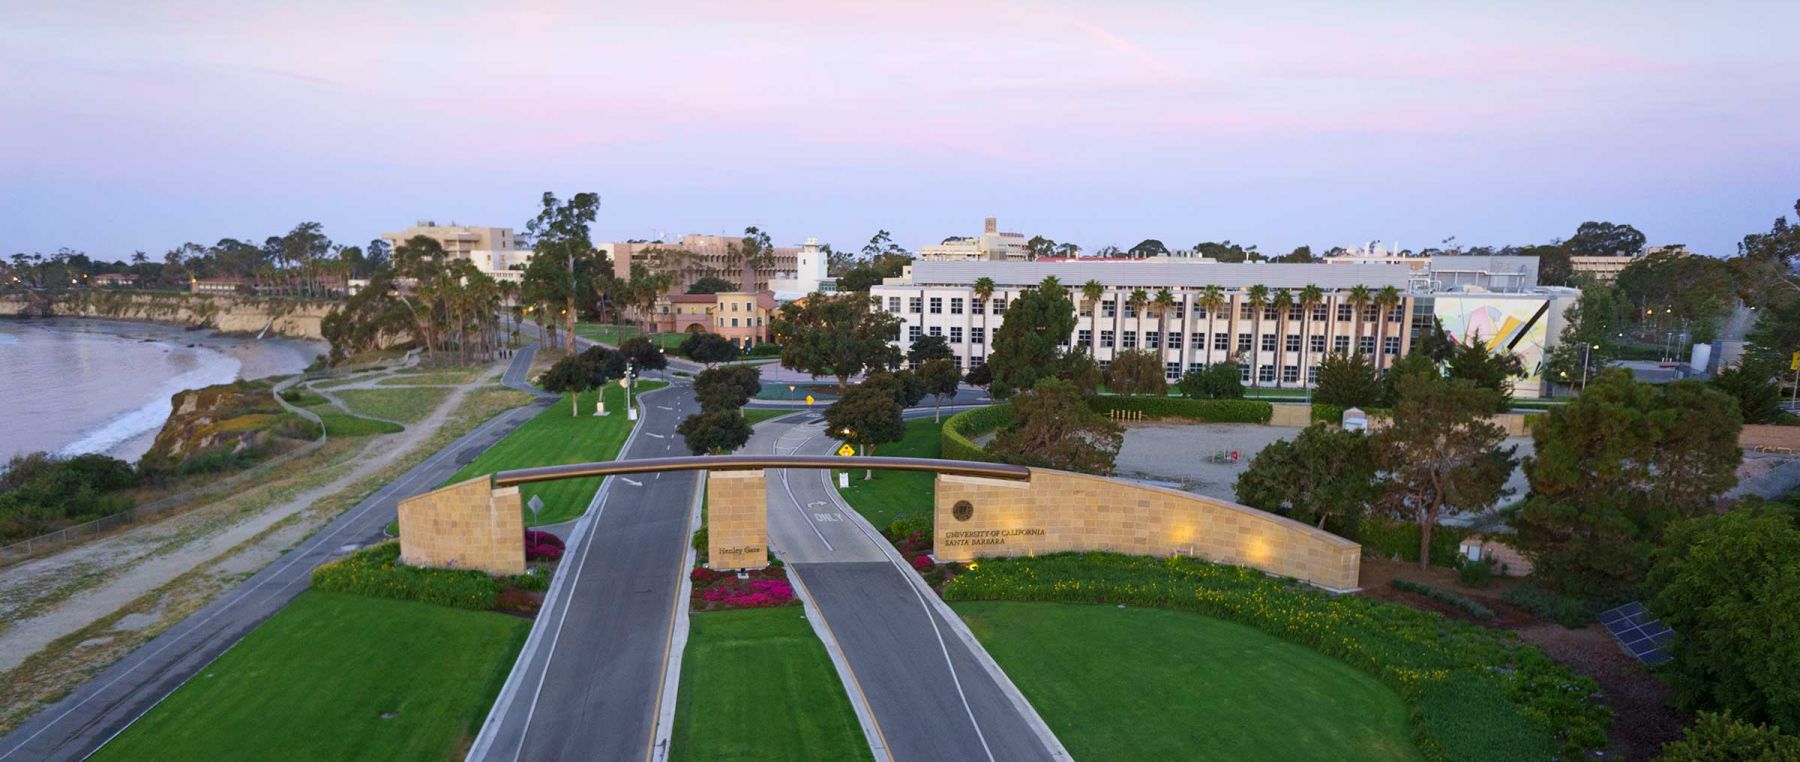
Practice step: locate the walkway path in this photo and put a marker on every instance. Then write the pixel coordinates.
(92, 714)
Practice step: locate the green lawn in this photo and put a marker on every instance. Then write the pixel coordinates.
(441, 376)
(404, 405)
(555, 438)
(613, 334)
(756, 684)
(337, 677)
(341, 424)
(757, 415)
(1130, 683)
(892, 493)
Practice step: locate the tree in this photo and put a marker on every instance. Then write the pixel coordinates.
(1605, 239)
(940, 379)
(1729, 585)
(1040, 247)
(1257, 297)
(1348, 381)
(1359, 298)
(714, 432)
(1776, 335)
(1411, 364)
(575, 374)
(1611, 471)
(707, 348)
(1752, 384)
(984, 290)
(868, 416)
(1323, 477)
(1081, 371)
(1586, 342)
(1053, 427)
(1441, 454)
(1220, 381)
(1386, 300)
(1091, 292)
(727, 388)
(979, 377)
(1492, 370)
(643, 354)
(1137, 371)
(904, 386)
(1147, 248)
(1027, 345)
(711, 284)
(560, 235)
(928, 348)
(839, 336)
(1718, 737)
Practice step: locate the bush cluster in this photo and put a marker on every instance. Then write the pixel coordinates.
(1476, 693)
(376, 572)
(42, 493)
(1715, 736)
(718, 591)
(1334, 414)
(542, 546)
(1204, 411)
(1444, 596)
(1394, 539)
(1568, 612)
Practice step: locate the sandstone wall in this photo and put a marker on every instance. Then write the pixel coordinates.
(1059, 511)
(469, 525)
(737, 520)
(1770, 438)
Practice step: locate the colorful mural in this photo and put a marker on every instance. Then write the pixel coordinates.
(1520, 324)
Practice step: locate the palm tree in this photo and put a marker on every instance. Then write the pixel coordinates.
(1165, 301)
(1137, 300)
(1258, 298)
(1310, 296)
(1386, 299)
(1091, 292)
(984, 289)
(1213, 299)
(1283, 303)
(1359, 298)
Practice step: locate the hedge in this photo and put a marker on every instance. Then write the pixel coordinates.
(1383, 538)
(1476, 693)
(1334, 414)
(957, 438)
(1467, 604)
(1204, 411)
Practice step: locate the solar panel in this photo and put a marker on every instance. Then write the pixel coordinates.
(1643, 637)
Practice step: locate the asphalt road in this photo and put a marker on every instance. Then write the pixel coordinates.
(84, 720)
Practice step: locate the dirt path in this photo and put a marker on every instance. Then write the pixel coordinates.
(52, 597)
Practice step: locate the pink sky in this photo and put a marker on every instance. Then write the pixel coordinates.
(139, 126)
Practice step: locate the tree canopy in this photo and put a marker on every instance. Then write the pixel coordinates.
(1219, 381)
(1440, 454)
(1029, 342)
(1348, 380)
(711, 284)
(1053, 427)
(839, 336)
(1137, 371)
(1324, 477)
(707, 348)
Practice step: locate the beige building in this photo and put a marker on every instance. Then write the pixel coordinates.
(1606, 269)
(697, 256)
(991, 245)
(741, 316)
(494, 251)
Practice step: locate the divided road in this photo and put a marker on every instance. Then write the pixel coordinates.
(85, 719)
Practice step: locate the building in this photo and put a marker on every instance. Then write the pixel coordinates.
(220, 286)
(991, 246)
(741, 316)
(115, 280)
(494, 251)
(1273, 348)
(697, 256)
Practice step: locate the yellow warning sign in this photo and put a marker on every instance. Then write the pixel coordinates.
(846, 450)
(809, 399)
(1795, 363)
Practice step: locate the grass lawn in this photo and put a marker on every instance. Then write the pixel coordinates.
(757, 415)
(892, 493)
(554, 438)
(404, 405)
(1130, 683)
(613, 334)
(333, 677)
(341, 424)
(428, 377)
(757, 684)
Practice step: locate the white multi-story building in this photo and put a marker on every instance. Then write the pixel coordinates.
(991, 246)
(493, 250)
(1213, 317)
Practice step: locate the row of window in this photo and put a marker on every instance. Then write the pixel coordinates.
(1110, 308)
(748, 322)
(977, 335)
(1265, 374)
(1222, 341)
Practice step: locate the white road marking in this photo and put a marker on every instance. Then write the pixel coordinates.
(658, 436)
(632, 482)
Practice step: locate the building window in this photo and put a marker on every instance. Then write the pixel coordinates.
(956, 334)
(1265, 374)
(1243, 342)
(894, 304)
(1196, 367)
(937, 305)
(1109, 308)
(936, 331)
(1130, 340)
(1199, 341)
(1199, 312)
(978, 335)
(1130, 310)
(1222, 341)
(1371, 313)
(1244, 311)
(1390, 345)
(912, 305)
(1315, 343)
(956, 303)
(1295, 312)
(976, 362)
(1290, 374)
(1268, 342)
(1106, 339)
(1365, 345)
(1153, 340)
(1396, 314)
(1172, 371)
(1105, 365)
(1341, 345)
(1244, 373)
(976, 306)
(912, 333)
(998, 307)
(1174, 341)
(956, 361)
(1268, 313)
(734, 323)
(1312, 374)
(1084, 337)
(1343, 313)
(1180, 311)
(1293, 342)
(1318, 312)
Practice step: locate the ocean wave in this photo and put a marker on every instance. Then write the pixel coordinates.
(215, 368)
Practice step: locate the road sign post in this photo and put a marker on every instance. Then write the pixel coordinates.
(535, 504)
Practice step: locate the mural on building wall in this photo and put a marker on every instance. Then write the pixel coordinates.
(1521, 326)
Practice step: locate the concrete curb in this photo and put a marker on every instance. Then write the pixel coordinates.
(664, 730)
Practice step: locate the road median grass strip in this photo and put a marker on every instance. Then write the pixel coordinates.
(1518, 703)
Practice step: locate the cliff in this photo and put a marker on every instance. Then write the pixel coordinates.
(297, 318)
(228, 419)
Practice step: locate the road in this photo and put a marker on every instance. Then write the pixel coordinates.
(84, 720)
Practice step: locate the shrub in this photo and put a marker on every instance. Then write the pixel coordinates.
(1205, 411)
(515, 599)
(1476, 693)
(540, 537)
(1476, 574)
(542, 552)
(764, 588)
(1334, 414)
(1444, 596)
(921, 563)
(375, 572)
(1717, 737)
(1395, 539)
(532, 580)
(957, 439)
(907, 526)
(1563, 610)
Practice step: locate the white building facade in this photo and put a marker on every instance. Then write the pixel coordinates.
(492, 250)
(991, 246)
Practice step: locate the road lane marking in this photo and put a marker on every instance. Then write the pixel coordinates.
(632, 482)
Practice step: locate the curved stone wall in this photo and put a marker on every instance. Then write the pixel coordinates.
(1059, 511)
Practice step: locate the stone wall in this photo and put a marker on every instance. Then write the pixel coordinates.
(737, 520)
(1059, 511)
(1770, 438)
(238, 314)
(1291, 415)
(469, 525)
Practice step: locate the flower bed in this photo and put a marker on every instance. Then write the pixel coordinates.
(1476, 693)
(376, 572)
(719, 591)
(916, 546)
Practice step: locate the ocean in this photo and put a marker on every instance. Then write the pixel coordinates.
(73, 386)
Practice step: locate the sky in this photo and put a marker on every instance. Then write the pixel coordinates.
(142, 125)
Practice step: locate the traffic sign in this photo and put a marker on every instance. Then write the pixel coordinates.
(809, 398)
(846, 450)
(1795, 363)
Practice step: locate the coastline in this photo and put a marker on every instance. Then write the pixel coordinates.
(104, 385)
